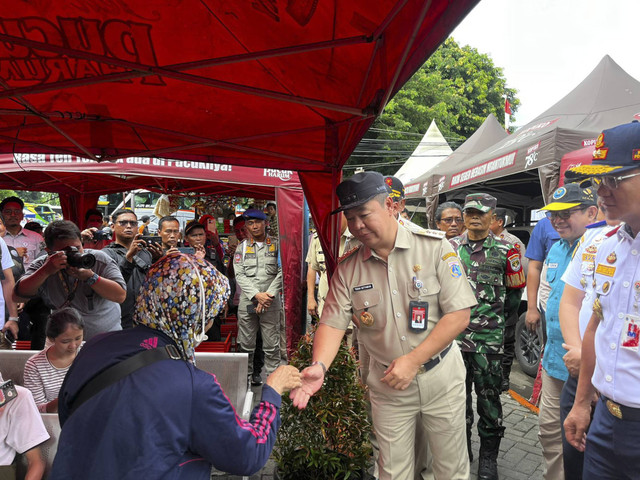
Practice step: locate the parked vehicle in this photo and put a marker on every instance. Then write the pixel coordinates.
(528, 349)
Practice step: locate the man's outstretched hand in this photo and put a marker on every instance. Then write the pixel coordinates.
(312, 379)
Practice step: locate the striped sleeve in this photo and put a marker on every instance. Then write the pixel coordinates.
(43, 379)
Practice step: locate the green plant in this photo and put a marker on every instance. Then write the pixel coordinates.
(330, 438)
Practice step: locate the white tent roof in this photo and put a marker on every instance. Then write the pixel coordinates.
(433, 148)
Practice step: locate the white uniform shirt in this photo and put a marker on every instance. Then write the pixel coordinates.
(579, 273)
(617, 277)
(21, 426)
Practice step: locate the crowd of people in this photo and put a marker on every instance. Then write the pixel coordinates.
(431, 313)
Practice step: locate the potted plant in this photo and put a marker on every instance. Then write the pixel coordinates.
(330, 438)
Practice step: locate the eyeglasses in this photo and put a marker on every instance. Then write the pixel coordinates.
(564, 214)
(610, 181)
(124, 223)
(450, 220)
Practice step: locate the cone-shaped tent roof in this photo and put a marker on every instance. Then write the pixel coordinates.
(432, 149)
(489, 133)
(608, 96)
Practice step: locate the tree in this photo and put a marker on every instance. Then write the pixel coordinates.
(457, 86)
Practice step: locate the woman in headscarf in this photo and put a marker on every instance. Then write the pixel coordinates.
(166, 420)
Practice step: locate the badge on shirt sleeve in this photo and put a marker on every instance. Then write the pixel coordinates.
(455, 270)
(237, 258)
(418, 312)
(630, 338)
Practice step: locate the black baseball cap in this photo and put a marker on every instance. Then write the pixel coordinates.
(396, 186)
(359, 189)
(569, 196)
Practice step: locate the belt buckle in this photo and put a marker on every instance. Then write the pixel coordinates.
(421, 370)
(173, 352)
(614, 409)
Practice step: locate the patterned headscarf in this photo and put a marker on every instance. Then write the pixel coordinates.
(170, 298)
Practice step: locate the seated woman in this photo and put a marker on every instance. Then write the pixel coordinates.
(166, 419)
(45, 371)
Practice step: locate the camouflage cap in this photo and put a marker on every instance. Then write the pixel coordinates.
(480, 201)
(569, 196)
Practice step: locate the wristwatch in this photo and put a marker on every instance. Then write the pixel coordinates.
(92, 279)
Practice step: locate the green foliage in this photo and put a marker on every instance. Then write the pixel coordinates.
(458, 87)
(32, 197)
(330, 438)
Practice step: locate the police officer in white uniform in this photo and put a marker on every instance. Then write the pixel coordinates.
(412, 299)
(610, 361)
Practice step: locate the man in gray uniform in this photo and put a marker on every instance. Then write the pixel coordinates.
(259, 275)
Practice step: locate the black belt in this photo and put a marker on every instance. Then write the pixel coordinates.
(434, 361)
(621, 411)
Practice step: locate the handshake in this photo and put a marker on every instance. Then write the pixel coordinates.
(285, 378)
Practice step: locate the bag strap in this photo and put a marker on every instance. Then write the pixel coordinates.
(120, 370)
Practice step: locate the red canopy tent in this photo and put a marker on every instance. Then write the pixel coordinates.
(290, 84)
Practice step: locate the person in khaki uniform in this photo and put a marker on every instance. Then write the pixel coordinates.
(260, 277)
(315, 259)
(412, 299)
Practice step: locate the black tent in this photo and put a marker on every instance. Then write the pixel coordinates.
(524, 167)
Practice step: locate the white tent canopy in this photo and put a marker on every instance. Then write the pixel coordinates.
(433, 148)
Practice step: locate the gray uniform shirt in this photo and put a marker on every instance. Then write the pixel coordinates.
(99, 314)
(257, 270)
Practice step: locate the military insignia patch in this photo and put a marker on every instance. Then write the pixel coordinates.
(448, 255)
(600, 153)
(600, 141)
(237, 258)
(559, 193)
(455, 270)
(514, 261)
(605, 270)
(635, 155)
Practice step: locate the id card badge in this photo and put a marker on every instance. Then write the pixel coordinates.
(630, 338)
(418, 313)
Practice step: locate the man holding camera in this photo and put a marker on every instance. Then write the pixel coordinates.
(88, 281)
(94, 236)
(133, 256)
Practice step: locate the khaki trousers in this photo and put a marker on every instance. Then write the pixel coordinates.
(435, 400)
(550, 433)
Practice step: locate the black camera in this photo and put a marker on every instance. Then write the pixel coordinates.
(79, 260)
(104, 234)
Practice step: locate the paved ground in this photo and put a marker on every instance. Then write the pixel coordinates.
(520, 455)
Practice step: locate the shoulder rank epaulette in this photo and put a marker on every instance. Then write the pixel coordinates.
(346, 255)
(427, 232)
(613, 232)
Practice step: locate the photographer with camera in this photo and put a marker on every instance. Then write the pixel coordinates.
(133, 256)
(70, 276)
(94, 235)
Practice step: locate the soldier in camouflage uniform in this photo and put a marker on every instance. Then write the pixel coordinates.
(494, 270)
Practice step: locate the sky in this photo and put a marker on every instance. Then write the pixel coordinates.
(547, 47)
